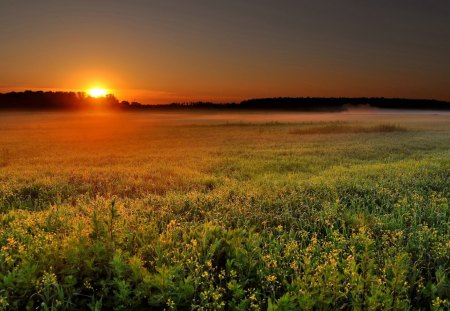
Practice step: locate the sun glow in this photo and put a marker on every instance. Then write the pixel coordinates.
(97, 92)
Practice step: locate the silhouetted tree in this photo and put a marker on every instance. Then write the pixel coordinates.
(39, 100)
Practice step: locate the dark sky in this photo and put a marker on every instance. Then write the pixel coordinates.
(162, 51)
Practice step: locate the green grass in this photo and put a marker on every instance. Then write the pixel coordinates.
(339, 128)
(192, 212)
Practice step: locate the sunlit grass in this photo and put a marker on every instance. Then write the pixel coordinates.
(140, 212)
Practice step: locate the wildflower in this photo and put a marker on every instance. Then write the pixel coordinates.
(11, 241)
(291, 246)
(3, 303)
(9, 260)
(222, 275)
(172, 225)
(439, 302)
(294, 266)
(170, 304)
(333, 262)
(271, 278)
(49, 278)
(21, 248)
(88, 285)
(216, 296)
(233, 273)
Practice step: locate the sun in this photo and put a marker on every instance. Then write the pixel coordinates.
(97, 92)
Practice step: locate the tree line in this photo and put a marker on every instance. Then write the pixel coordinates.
(40, 100)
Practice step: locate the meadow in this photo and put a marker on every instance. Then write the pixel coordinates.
(213, 211)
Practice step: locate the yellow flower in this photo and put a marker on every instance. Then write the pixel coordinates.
(49, 278)
(170, 304)
(294, 266)
(11, 241)
(271, 278)
(439, 302)
(87, 284)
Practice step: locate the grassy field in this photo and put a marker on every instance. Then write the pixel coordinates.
(202, 211)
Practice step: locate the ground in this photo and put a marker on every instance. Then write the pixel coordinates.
(209, 211)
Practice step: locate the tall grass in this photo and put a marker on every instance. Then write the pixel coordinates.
(339, 128)
(147, 216)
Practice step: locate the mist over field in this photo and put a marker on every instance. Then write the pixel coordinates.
(362, 113)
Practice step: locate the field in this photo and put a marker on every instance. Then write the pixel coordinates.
(237, 211)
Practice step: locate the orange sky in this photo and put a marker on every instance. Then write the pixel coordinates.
(160, 52)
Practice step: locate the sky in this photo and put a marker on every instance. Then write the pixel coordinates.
(164, 51)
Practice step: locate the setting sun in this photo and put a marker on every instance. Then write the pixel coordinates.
(97, 92)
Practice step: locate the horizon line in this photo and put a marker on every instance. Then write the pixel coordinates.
(227, 102)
